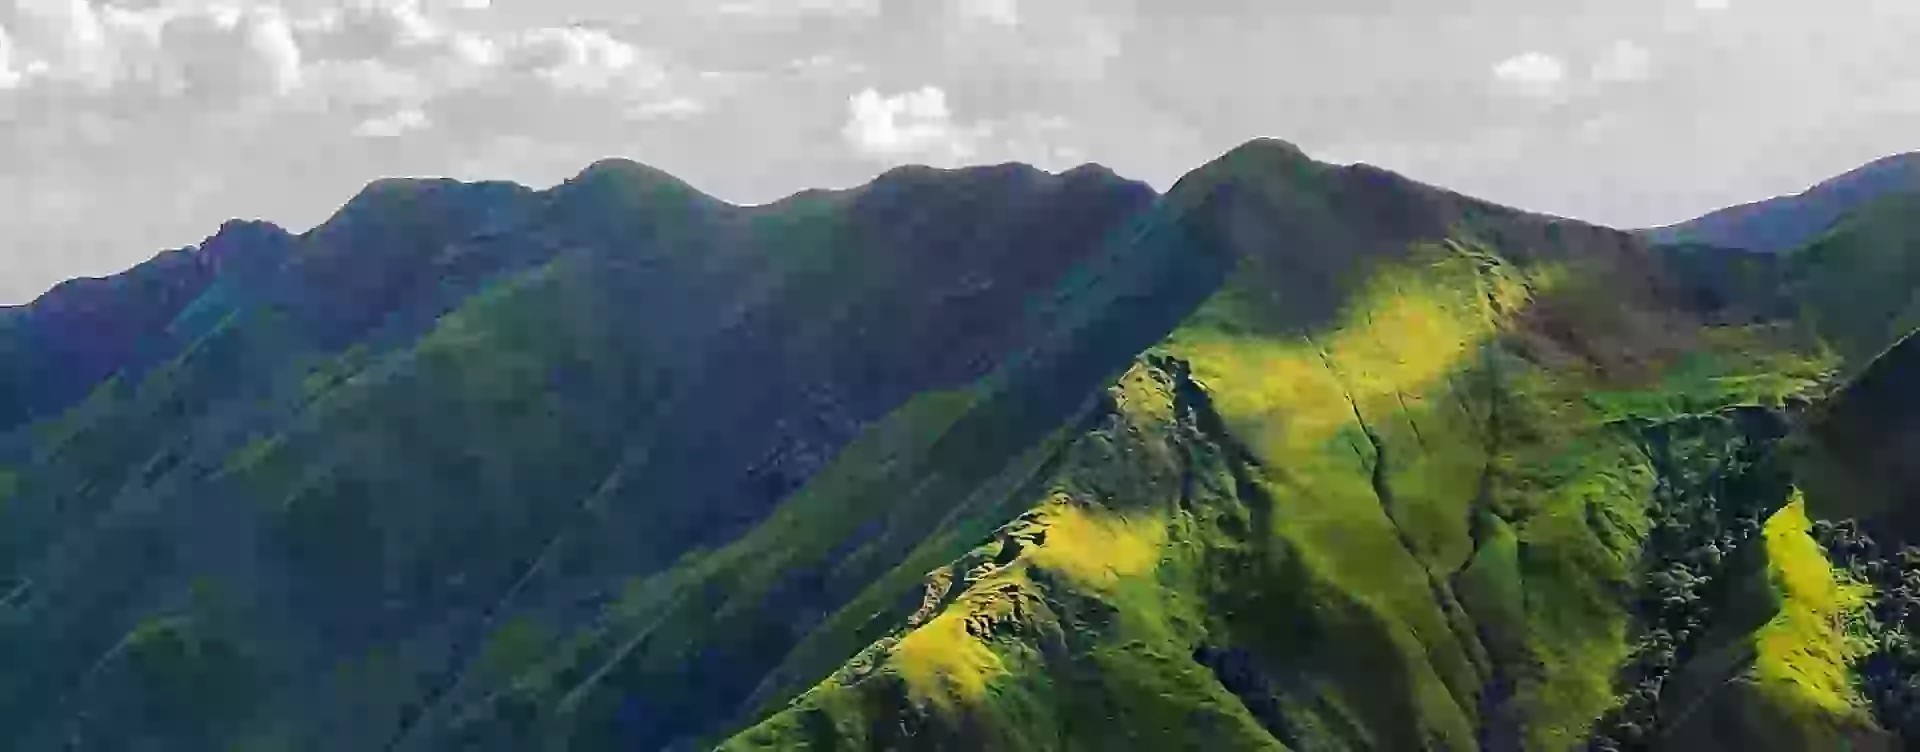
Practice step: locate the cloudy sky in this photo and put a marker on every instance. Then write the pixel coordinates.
(129, 126)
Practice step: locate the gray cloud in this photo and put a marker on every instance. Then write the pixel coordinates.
(128, 126)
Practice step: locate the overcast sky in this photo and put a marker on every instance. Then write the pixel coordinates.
(130, 126)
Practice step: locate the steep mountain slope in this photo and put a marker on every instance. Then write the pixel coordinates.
(1852, 286)
(1857, 446)
(1856, 284)
(1413, 510)
(453, 406)
(1854, 458)
(83, 330)
(1789, 222)
(1294, 457)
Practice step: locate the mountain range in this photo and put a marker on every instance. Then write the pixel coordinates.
(1293, 456)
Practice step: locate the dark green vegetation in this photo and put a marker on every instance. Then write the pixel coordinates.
(1293, 457)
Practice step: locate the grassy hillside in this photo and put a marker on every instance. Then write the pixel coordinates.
(458, 425)
(1294, 457)
(1425, 521)
(1856, 283)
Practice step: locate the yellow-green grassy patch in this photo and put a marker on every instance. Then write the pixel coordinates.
(1805, 650)
(1096, 548)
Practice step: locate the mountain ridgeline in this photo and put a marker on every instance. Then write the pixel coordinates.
(1786, 223)
(1295, 456)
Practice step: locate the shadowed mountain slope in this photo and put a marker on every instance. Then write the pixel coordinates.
(1297, 456)
(371, 441)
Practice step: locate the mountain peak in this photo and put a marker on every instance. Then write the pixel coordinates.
(923, 171)
(238, 225)
(1266, 154)
(236, 231)
(622, 168)
(1267, 145)
(621, 171)
(383, 188)
(1260, 160)
(1091, 170)
(416, 202)
(245, 244)
(628, 179)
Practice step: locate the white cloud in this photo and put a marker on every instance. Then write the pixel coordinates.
(396, 124)
(473, 49)
(564, 82)
(371, 29)
(206, 53)
(90, 72)
(1711, 4)
(799, 7)
(1624, 61)
(1002, 12)
(9, 77)
(226, 54)
(1535, 73)
(63, 25)
(912, 124)
(579, 58)
(272, 39)
(388, 54)
(66, 38)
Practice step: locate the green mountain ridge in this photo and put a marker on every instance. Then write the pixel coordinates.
(1296, 456)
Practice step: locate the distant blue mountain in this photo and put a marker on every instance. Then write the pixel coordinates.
(1788, 222)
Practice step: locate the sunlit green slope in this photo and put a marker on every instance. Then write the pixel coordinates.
(1474, 497)
(1296, 456)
